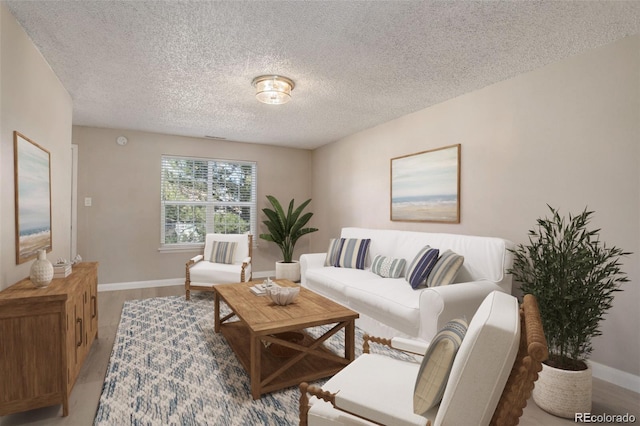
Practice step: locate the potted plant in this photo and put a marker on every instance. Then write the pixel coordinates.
(285, 230)
(574, 277)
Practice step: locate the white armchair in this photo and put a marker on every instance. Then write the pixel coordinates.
(490, 380)
(221, 263)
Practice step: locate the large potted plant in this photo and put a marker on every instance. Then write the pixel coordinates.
(574, 277)
(285, 229)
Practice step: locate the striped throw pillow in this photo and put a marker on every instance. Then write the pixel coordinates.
(353, 253)
(421, 266)
(332, 252)
(436, 366)
(445, 269)
(223, 251)
(388, 267)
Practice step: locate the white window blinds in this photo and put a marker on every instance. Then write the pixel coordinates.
(200, 196)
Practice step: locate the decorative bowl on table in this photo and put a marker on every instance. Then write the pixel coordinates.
(283, 295)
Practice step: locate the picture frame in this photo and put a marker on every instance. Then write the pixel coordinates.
(425, 186)
(32, 181)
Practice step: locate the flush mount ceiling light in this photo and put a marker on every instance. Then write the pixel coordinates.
(273, 89)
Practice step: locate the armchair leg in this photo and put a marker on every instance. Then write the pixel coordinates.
(304, 403)
(305, 389)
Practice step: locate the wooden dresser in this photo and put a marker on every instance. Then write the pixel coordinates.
(45, 335)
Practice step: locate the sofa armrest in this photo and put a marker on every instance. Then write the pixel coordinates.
(439, 305)
(309, 261)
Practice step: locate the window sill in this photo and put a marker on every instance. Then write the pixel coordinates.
(182, 248)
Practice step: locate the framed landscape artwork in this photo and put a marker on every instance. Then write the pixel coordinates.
(32, 178)
(425, 187)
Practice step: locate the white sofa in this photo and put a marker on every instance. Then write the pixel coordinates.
(390, 307)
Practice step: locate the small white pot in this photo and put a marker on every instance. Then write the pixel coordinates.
(288, 271)
(563, 392)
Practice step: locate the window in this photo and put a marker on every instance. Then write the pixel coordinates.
(201, 196)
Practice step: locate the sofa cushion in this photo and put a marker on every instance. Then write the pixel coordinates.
(388, 300)
(388, 267)
(421, 266)
(332, 282)
(332, 252)
(223, 252)
(436, 366)
(445, 269)
(353, 253)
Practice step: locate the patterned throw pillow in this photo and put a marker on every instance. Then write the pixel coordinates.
(388, 267)
(353, 253)
(436, 366)
(421, 266)
(223, 251)
(332, 252)
(445, 269)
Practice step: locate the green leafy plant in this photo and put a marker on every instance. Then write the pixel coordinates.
(574, 277)
(286, 229)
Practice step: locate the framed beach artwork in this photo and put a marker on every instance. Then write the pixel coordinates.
(425, 187)
(32, 179)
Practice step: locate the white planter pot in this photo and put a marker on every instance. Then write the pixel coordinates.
(288, 271)
(562, 392)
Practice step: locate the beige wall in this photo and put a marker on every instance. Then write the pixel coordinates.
(33, 102)
(121, 229)
(566, 135)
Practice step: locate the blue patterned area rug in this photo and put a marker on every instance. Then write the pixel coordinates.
(169, 367)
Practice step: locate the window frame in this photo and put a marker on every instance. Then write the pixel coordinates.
(210, 203)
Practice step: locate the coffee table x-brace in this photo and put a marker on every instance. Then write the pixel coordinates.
(261, 320)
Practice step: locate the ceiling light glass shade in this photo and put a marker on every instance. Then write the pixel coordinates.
(273, 89)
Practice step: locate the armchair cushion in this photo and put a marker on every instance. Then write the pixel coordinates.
(217, 273)
(421, 266)
(378, 388)
(242, 249)
(223, 251)
(436, 366)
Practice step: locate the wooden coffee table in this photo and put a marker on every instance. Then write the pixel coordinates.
(260, 320)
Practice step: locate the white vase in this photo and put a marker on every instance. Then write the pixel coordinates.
(288, 271)
(563, 392)
(41, 270)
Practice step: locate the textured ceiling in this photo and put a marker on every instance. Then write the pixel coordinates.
(185, 67)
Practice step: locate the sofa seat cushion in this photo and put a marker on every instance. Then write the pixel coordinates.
(208, 273)
(332, 281)
(389, 300)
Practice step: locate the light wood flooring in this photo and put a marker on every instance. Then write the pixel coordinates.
(607, 398)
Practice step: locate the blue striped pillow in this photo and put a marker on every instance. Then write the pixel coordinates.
(332, 252)
(223, 251)
(353, 253)
(445, 269)
(421, 266)
(388, 267)
(436, 366)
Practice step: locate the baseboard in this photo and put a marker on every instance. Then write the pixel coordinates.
(164, 283)
(140, 284)
(618, 377)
